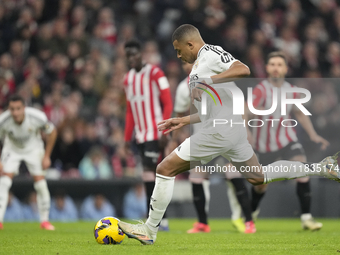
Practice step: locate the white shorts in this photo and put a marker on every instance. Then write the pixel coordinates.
(11, 160)
(205, 147)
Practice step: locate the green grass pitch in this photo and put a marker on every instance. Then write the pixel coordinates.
(274, 236)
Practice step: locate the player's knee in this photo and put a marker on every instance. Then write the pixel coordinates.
(164, 170)
(5, 182)
(40, 186)
(255, 181)
(261, 188)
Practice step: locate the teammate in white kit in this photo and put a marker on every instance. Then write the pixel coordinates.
(21, 128)
(213, 65)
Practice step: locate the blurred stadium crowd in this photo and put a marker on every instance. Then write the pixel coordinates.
(67, 58)
(65, 209)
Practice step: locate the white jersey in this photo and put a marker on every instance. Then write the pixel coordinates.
(183, 101)
(212, 60)
(25, 137)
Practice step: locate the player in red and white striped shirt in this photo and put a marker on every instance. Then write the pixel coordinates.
(272, 141)
(148, 102)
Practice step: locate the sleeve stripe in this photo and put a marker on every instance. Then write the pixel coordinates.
(163, 83)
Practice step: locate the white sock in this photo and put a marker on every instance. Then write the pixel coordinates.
(236, 210)
(206, 188)
(160, 199)
(43, 199)
(306, 216)
(5, 185)
(285, 170)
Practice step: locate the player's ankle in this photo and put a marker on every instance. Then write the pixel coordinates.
(152, 229)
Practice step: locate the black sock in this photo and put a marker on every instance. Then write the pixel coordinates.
(149, 186)
(242, 197)
(303, 192)
(255, 199)
(199, 202)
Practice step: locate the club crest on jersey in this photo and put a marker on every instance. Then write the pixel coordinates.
(196, 64)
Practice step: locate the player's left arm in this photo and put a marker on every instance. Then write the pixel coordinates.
(236, 71)
(50, 142)
(307, 125)
(228, 69)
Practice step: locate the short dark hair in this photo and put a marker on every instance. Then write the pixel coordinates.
(279, 54)
(15, 98)
(133, 44)
(183, 31)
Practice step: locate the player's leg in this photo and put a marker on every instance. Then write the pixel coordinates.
(166, 171)
(33, 162)
(5, 185)
(10, 166)
(235, 207)
(257, 193)
(151, 156)
(241, 194)
(286, 170)
(304, 195)
(201, 199)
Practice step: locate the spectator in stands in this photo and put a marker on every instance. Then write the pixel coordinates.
(95, 165)
(14, 209)
(90, 97)
(107, 25)
(123, 164)
(87, 136)
(54, 108)
(63, 208)
(134, 203)
(30, 208)
(96, 207)
(4, 91)
(66, 154)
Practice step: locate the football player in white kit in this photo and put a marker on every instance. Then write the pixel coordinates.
(213, 65)
(236, 189)
(21, 128)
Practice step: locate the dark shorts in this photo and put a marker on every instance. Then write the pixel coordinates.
(150, 153)
(286, 153)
